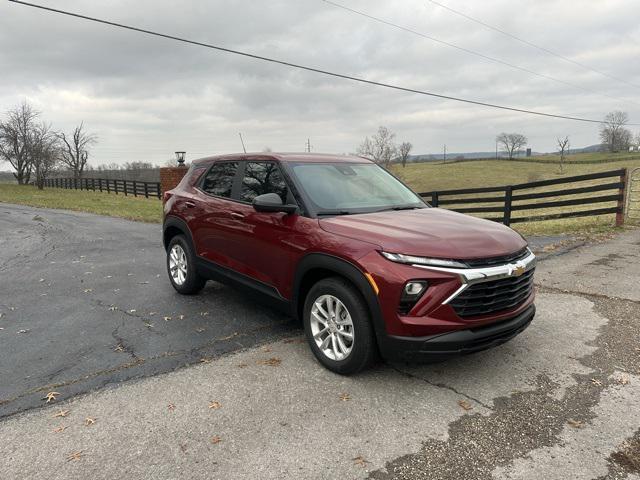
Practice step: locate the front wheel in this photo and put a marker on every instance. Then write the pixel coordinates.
(338, 326)
(181, 266)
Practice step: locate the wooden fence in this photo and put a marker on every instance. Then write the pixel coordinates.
(508, 200)
(125, 187)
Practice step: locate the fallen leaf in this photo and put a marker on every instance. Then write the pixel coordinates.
(266, 349)
(152, 313)
(205, 360)
(89, 421)
(575, 423)
(243, 365)
(215, 439)
(200, 329)
(60, 429)
(129, 274)
(272, 362)
(148, 325)
(215, 405)
(61, 413)
(465, 405)
(108, 276)
(204, 314)
(345, 397)
(133, 310)
(41, 280)
(24, 330)
(88, 290)
(180, 317)
(183, 447)
(119, 348)
(143, 283)
(171, 407)
(74, 456)
(166, 319)
(623, 379)
(596, 382)
(359, 460)
(51, 397)
(113, 308)
(228, 337)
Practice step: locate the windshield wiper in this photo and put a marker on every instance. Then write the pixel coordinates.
(333, 212)
(400, 207)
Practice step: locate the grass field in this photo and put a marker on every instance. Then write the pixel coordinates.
(423, 177)
(132, 208)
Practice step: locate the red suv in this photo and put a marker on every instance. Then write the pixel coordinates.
(362, 260)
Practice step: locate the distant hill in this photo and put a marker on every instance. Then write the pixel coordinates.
(437, 157)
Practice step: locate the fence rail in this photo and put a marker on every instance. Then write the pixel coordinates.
(506, 199)
(125, 187)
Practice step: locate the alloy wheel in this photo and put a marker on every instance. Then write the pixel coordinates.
(178, 264)
(332, 327)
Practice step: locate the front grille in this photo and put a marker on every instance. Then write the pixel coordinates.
(502, 260)
(493, 296)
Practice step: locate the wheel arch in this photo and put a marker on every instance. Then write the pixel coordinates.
(316, 266)
(173, 226)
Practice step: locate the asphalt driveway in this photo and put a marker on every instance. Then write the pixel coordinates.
(85, 301)
(559, 401)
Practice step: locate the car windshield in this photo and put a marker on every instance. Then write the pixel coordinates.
(345, 188)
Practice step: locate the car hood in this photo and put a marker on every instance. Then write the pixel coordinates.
(428, 232)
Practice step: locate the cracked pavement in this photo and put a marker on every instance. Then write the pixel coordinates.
(558, 401)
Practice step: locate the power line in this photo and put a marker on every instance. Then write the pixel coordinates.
(531, 44)
(310, 69)
(471, 52)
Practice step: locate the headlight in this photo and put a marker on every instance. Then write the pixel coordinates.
(431, 262)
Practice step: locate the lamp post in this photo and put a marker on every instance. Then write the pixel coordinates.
(180, 158)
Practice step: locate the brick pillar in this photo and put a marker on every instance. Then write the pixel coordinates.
(170, 177)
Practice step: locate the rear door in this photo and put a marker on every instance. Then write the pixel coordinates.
(216, 226)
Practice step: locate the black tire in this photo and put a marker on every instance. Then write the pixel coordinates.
(193, 281)
(364, 348)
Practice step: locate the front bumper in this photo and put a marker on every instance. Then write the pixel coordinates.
(460, 342)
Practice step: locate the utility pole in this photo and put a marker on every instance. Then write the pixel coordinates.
(308, 145)
(496, 149)
(444, 155)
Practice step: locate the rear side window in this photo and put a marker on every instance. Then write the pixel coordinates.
(219, 179)
(260, 178)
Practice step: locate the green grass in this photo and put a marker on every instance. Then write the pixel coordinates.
(131, 208)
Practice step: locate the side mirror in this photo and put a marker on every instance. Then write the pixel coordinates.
(271, 202)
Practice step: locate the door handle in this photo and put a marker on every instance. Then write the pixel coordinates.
(237, 215)
(190, 204)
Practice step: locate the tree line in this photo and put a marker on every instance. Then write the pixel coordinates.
(614, 134)
(34, 149)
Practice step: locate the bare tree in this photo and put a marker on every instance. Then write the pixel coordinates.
(45, 153)
(511, 143)
(74, 150)
(404, 151)
(614, 135)
(380, 148)
(16, 134)
(563, 149)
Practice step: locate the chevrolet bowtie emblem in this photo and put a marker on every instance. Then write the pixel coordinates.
(518, 270)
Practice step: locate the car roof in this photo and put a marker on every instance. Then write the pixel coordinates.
(285, 157)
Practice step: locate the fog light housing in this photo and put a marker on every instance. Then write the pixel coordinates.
(411, 293)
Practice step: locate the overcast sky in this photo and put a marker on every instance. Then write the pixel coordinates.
(146, 97)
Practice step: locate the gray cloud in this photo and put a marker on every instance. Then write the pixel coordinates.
(146, 97)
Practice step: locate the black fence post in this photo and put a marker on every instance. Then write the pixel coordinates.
(434, 199)
(135, 188)
(115, 185)
(146, 190)
(622, 200)
(125, 187)
(158, 190)
(508, 191)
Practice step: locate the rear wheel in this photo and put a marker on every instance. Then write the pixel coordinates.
(338, 326)
(181, 266)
